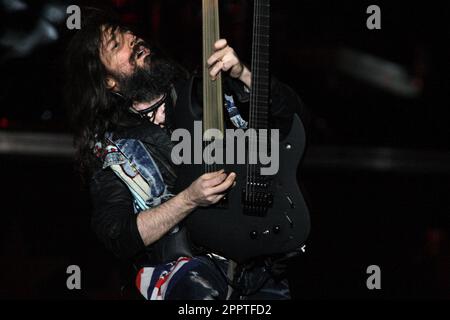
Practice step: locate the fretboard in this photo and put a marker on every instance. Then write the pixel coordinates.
(259, 97)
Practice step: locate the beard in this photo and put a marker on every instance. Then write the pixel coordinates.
(149, 82)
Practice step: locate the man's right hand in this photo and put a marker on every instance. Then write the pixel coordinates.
(209, 188)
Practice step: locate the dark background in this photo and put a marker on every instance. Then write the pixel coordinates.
(376, 171)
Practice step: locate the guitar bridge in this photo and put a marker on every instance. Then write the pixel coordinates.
(256, 198)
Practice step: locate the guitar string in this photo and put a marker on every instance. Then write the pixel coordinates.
(255, 105)
(205, 112)
(262, 97)
(250, 178)
(252, 102)
(217, 83)
(257, 102)
(208, 81)
(265, 21)
(262, 89)
(207, 85)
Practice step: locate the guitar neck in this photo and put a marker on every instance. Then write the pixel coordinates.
(213, 117)
(259, 97)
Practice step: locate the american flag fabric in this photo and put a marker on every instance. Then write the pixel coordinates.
(154, 282)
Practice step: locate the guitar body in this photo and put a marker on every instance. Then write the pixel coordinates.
(235, 231)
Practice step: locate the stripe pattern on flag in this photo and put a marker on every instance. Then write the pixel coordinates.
(155, 282)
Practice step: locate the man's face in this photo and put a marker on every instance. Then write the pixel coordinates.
(122, 52)
(134, 70)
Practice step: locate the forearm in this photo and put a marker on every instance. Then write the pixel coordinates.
(156, 222)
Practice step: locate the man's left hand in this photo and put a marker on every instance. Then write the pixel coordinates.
(225, 59)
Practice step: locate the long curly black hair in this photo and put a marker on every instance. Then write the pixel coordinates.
(92, 108)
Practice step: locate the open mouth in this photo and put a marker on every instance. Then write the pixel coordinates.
(141, 52)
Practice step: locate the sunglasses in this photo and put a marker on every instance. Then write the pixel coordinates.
(144, 112)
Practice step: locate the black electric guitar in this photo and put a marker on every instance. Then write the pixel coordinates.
(263, 214)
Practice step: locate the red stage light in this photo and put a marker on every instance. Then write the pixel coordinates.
(4, 123)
